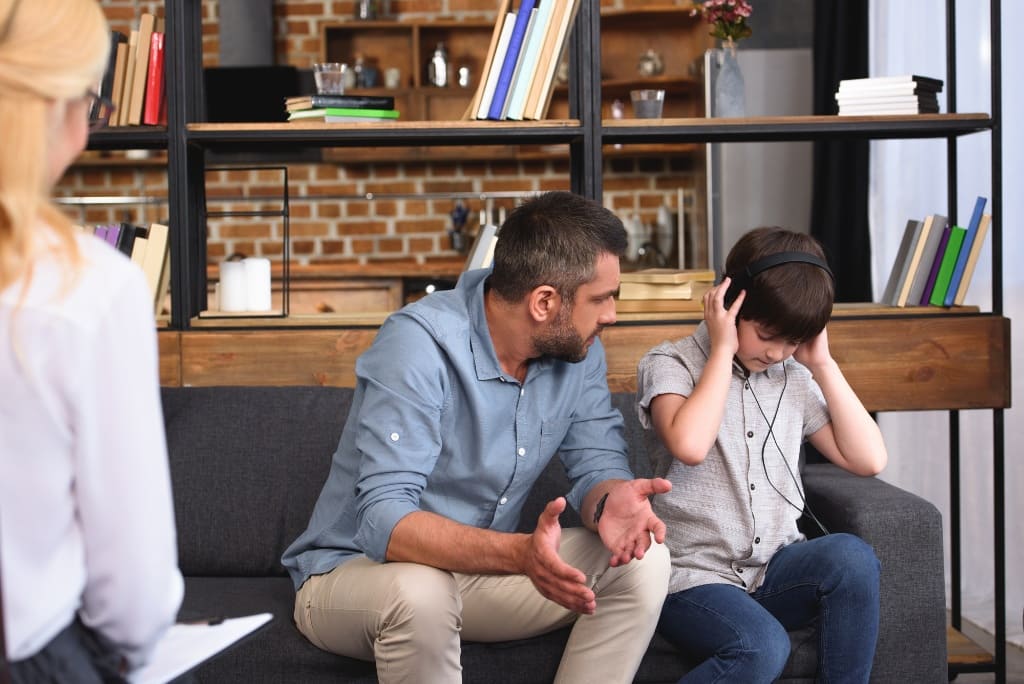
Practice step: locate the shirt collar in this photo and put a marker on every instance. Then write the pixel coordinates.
(485, 358)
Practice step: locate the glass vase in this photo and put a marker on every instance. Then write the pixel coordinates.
(728, 96)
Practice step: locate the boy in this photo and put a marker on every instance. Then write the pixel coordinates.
(730, 406)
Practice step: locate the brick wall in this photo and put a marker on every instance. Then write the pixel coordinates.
(331, 219)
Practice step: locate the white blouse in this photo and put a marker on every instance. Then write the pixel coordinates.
(86, 515)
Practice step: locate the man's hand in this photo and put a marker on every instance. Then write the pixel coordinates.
(555, 579)
(627, 521)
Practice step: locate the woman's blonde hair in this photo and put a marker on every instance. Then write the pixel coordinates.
(50, 51)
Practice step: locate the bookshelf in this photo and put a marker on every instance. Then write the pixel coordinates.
(946, 360)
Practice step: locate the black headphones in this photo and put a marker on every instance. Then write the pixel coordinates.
(743, 279)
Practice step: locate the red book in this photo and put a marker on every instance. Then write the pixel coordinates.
(154, 80)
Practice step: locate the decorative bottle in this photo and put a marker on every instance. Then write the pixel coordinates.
(437, 68)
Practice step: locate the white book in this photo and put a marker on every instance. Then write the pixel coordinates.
(924, 82)
(881, 110)
(499, 56)
(536, 109)
(520, 73)
(880, 99)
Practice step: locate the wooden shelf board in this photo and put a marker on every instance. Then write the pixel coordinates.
(768, 128)
(961, 650)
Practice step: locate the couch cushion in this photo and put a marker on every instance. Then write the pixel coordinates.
(247, 465)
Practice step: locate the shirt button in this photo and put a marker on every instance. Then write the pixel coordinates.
(522, 391)
(757, 540)
(393, 436)
(750, 433)
(521, 451)
(746, 385)
(739, 570)
(503, 500)
(753, 487)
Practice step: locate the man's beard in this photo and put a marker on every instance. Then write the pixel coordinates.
(561, 341)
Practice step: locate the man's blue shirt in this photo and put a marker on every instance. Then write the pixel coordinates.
(436, 425)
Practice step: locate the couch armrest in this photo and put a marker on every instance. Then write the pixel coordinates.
(906, 533)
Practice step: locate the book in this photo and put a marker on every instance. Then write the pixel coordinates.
(965, 249)
(956, 239)
(691, 289)
(154, 96)
(343, 114)
(481, 254)
(147, 23)
(878, 110)
(139, 246)
(931, 246)
(913, 272)
(883, 89)
(540, 97)
(474, 104)
(301, 102)
(898, 273)
(531, 55)
(106, 87)
(509, 59)
(858, 100)
(186, 645)
(491, 82)
(933, 270)
(658, 305)
(153, 263)
(875, 81)
(113, 234)
(129, 78)
(126, 241)
(120, 67)
(669, 276)
(531, 26)
(972, 259)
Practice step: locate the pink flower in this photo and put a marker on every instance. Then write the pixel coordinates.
(726, 17)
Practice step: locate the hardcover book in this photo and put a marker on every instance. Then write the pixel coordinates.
(933, 270)
(961, 259)
(956, 239)
(508, 62)
(491, 82)
(972, 260)
(921, 259)
(301, 102)
(898, 274)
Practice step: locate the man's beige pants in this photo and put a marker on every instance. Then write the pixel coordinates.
(410, 618)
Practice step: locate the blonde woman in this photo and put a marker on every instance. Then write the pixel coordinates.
(88, 558)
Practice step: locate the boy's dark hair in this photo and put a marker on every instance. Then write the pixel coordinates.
(793, 300)
(553, 239)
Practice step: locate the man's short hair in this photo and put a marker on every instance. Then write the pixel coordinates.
(793, 300)
(553, 239)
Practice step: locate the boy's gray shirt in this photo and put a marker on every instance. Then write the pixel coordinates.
(728, 516)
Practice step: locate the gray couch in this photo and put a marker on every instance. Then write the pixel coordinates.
(248, 463)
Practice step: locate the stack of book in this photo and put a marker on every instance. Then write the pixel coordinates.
(936, 260)
(341, 108)
(148, 248)
(527, 45)
(908, 94)
(134, 78)
(663, 290)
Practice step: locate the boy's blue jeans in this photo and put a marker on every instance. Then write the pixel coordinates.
(831, 581)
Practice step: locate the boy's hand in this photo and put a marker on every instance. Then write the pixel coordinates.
(814, 353)
(722, 321)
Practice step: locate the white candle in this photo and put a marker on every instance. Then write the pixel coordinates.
(232, 286)
(257, 283)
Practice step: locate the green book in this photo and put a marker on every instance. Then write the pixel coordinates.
(956, 239)
(351, 111)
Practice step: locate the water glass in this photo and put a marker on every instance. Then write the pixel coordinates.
(647, 103)
(330, 78)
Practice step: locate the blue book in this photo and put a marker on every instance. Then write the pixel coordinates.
(508, 65)
(961, 260)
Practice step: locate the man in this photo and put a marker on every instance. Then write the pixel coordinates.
(460, 403)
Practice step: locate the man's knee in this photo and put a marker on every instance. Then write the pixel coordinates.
(422, 598)
(646, 579)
